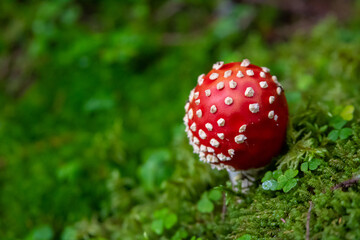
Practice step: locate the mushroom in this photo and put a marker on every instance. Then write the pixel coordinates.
(236, 117)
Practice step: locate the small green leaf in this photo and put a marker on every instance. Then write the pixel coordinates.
(44, 232)
(161, 214)
(314, 163)
(306, 80)
(158, 226)
(291, 173)
(282, 180)
(99, 104)
(323, 128)
(170, 220)
(347, 112)
(333, 135)
(205, 205)
(289, 185)
(304, 166)
(215, 195)
(337, 122)
(270, 185)
(345, 133)
(277, 174)
(268, 176)
(293, 97)
(195, 238)
(245, 237)
(69, 233)
(180, 234)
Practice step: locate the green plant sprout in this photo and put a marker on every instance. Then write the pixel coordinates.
(196, 238)
(312, 164)
(278, 180)
(339, 131)
(245, 237)
(163, 219)
(206, 202)
(180, 234)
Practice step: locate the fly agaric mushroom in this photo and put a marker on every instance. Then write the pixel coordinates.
(236, 117)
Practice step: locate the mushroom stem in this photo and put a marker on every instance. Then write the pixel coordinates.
(246, 177)
(235, 177)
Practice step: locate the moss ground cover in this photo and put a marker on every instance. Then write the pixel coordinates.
(92, 144)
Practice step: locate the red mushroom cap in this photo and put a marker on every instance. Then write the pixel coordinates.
(236, 116)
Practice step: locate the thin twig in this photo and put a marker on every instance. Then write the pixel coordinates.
(347, 183)
(308, 221)
(224, 208)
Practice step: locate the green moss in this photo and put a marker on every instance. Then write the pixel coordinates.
(95, 148)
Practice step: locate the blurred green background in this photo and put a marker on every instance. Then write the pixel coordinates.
(92, 96)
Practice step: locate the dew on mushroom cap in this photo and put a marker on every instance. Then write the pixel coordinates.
(228, 100)
(250, 72)
(211, 158)
(190, 114)
(209, 126)
(271, 99)
(187, 105)
(265, 69)
(191, 96)
(221, 157)
(207, 92)
(242, 128)
(221, 135)
(196, 95)
(240, 138)
(232, 84)
(187, 129)
(193, 127)
(210, 149)
(231, 152)
(245, 63)
(249, 92)
(218, 65)
(214, 142)
(239, 74)
(201, 79)
(221, 122)
(214, 159)
(254, 108)
(220, 85)
(202, 134)
(263, 84)
(189, 134)
(271, 114)
(213, 109)
(186, 119)
(214, 76)
(227, 74)
(196, 149)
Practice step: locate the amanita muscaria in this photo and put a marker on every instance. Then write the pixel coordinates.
(236, 116)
